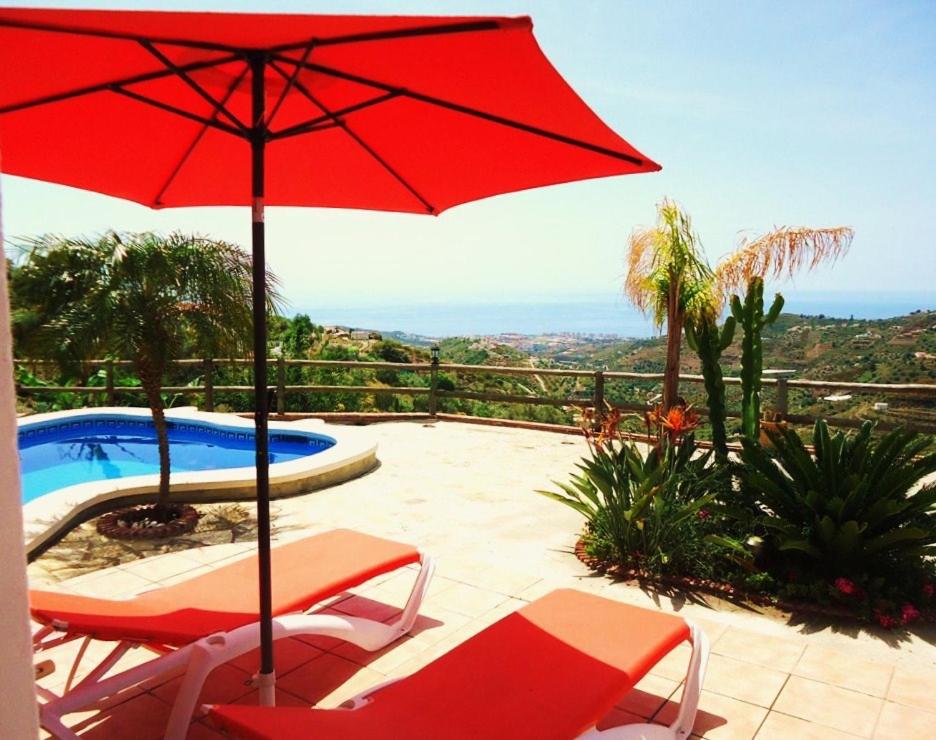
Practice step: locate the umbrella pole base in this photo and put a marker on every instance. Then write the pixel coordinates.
(266, 683)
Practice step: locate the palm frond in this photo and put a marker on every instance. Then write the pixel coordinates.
(781, 253)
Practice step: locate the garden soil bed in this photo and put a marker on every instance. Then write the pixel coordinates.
(148, 522)
(726, 591)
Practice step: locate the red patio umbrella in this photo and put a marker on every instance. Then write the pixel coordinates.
(413, 114)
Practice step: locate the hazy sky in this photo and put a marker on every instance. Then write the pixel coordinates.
(761, 113)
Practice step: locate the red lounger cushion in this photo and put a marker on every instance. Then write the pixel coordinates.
(550, 670)
(304, 573)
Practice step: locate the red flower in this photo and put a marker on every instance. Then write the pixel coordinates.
(929, 590)
(703, 514)
(886, 621)
(909, 613)
(846, 586)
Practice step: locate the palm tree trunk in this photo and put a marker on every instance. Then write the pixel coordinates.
(151, 379)
(674, 327)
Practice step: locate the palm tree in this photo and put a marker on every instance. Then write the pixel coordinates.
(669, 275)
(144, 297)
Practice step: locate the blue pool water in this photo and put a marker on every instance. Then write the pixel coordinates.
(68, 452)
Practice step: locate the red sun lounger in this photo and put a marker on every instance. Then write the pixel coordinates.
(219, 607)
(551, 670)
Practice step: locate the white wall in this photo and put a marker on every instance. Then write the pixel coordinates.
(18, 714)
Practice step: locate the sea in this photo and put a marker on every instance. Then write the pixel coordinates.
(606, 315)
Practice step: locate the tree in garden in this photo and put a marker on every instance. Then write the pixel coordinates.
(143, 297)
(669, 277)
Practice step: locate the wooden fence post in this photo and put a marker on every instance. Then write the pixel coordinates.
(434, 381)
(209, 384)
(109, 382)
(281, 385)
(598, 399)
(783, 391)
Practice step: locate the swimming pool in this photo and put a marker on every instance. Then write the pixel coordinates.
(73, 451)
(85, 461)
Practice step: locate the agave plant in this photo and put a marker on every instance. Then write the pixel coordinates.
(855, 507)
(642, 507)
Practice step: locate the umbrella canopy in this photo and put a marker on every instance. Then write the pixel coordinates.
(411, 114)
(388, 113)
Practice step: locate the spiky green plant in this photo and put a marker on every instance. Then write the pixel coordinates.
(708, 342)
(853, 508)
(750, 315)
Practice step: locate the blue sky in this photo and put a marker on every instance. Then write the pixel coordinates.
(762, 114)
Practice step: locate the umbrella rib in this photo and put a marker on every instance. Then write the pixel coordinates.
(198, 137)
(177, 111)
(116, 35)
(289, 84)
(363, 144)
(199, 90)
(437, 30)
(467, 110)
(314, 124)
(105, 86)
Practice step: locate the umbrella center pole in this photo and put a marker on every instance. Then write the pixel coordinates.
(258, 137)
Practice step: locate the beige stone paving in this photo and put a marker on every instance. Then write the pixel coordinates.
(464, 493)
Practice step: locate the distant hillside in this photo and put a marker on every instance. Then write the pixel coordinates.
(897, 350)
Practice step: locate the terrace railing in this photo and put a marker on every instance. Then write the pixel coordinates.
(598, 381)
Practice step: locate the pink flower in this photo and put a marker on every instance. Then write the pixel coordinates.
(929, 590)
(703, 514)
(909, 613)
(845, 586)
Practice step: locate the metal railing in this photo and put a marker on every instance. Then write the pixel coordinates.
(780, 382)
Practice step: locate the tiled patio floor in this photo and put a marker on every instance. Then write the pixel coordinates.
(464, 494)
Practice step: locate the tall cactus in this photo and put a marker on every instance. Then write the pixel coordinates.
(705, 339)
(750, 315)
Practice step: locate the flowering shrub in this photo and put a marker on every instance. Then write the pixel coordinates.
(644, 507)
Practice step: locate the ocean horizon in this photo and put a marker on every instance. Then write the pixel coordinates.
(611, 315)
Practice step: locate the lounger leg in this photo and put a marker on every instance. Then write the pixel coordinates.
(210, 652)
(87, 693)
(688, 707)
(417, 595)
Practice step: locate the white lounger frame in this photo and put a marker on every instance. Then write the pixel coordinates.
(678, 730)
(688, 705)
(199, 658)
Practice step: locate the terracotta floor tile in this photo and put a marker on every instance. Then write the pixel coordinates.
(363, 606)
(142, 718)
(719, 717)
(779, 726)
(646, 698)
(224, 685)
(906, 723)
(840, 709)
(844, 669)
(435, 623)
(618, 717)
(674, 664)
(730, 677)
(160, 567)
(283, 699)
(288, 655)
(385, 660)
(322, 677)
(914, 687)
(773, 652)
(467, 600)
